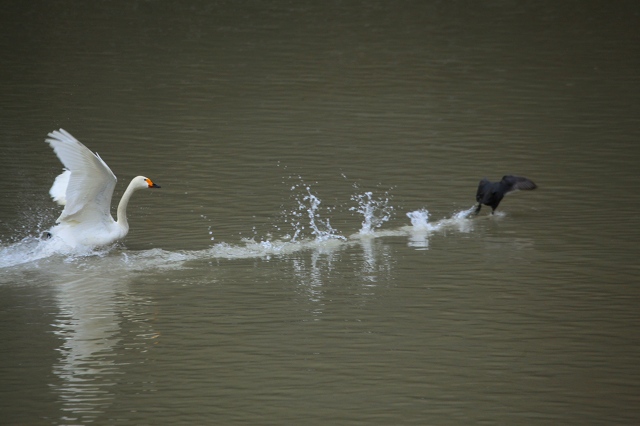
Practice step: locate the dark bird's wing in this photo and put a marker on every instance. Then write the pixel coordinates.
(516, 183)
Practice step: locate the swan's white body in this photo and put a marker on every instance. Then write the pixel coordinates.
(85, 189)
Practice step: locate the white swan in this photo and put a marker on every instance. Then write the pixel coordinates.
(85, 189)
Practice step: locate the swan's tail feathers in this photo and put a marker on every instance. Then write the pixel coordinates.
(58, 190)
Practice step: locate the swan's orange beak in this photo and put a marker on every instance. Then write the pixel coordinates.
(151, 184)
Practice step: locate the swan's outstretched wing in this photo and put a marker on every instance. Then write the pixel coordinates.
(90, 181)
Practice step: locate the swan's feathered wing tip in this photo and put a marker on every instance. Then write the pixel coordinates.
(61, 136)
(58, 190)
(57, 134)
(74, 155)
(517, 183)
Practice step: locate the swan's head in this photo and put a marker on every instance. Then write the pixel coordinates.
(141, 182)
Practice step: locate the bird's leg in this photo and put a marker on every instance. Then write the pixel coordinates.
(477, 210)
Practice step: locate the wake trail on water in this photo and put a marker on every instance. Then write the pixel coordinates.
(307, 223)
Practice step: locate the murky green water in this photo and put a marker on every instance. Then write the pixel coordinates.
(246, 293)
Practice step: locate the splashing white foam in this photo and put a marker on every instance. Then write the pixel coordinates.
(32, 249)
(421, 228)
(420, 219)
(309, 211)
(375, 211)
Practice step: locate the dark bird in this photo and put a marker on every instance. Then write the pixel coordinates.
(491, 193)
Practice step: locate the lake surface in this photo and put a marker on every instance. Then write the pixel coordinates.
(309, 258)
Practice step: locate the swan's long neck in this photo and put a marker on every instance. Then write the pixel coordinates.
(122, 207)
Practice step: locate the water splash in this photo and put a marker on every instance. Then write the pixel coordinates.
(209, 227)
(32, 249)
(460, 220)
(309, 211)
(464, 214)
(420, 219)
(375, 212)
(420, 229)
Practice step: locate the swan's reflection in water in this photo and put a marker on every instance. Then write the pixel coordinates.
(94, 309)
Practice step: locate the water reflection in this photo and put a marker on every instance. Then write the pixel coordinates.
(377, 261)
(94, 309)
(419, 239)
(364, 262)
(311, 274)
(369, 260)
(89, 328)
